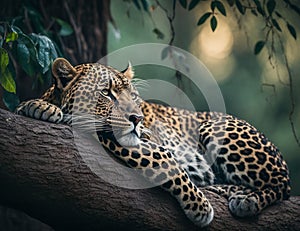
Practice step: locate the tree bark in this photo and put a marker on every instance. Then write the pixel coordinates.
(45, 171)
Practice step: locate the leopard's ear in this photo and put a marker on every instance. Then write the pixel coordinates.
(63, 72)
(128, 72)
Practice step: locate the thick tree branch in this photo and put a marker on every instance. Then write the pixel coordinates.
(43, 172)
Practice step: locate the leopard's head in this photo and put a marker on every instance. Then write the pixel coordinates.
(94, 96)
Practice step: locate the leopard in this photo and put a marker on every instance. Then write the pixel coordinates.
(184, 152)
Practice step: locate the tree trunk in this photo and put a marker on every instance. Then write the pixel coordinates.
(44, 172)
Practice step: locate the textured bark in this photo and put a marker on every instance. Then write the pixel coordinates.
(16, 220)
(44, 172)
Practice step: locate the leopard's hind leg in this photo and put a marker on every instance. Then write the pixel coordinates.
(228, 190)
(244, 201)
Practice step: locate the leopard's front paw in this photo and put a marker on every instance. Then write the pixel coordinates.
(199, 211)
(41, 110)
(243, 205)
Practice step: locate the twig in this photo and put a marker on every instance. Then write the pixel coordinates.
(269, 97)
(77, 29)
(292, 6)
(44, 13)
(292, 97)
(170, 19)
(27, 21)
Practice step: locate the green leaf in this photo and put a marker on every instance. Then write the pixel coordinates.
(23, 55)
(254, 12)
(276, 25)
(230, 2)
(258, 47)
(2, 32)
(23, 38)
(293, 6)
(10, 100)
(137, 4)
(259, 7)
(4, 60)
(42, 55)
(240, 7)
(278, 14)
(46, 51)
(65, 28)
(165, 52)
(32, 48)
(145, 5)
(183, 3)
(159, 34)
(203, 18)
(213, 5)
(7, 81)
(213, 23)
(193, 3)
(10, 37)
(292, 30)
(2, 29)
(219, 5)
(271, 6)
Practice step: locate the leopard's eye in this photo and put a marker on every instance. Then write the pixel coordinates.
(105, 92)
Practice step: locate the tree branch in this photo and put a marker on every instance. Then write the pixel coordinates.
(43, 172)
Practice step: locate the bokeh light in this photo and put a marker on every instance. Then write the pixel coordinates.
(217, 44)
(214, 49)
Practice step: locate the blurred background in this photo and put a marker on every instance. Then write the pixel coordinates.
(254, 89)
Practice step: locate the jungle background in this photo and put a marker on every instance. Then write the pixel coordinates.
(254, 87)
(252, 51)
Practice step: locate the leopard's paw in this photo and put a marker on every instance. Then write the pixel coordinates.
(243, 205)
(41, 110)
(201, 214)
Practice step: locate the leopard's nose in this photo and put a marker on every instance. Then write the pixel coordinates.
(135, 119)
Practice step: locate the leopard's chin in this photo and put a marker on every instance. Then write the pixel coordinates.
(129, 140)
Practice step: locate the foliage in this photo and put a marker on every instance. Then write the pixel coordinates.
(267, 9)
(31, 53)
(271, 13)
